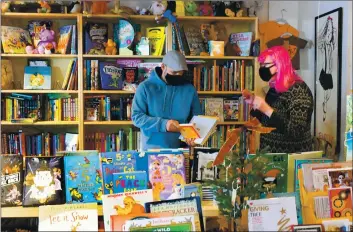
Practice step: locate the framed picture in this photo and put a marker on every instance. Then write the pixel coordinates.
(328, 62)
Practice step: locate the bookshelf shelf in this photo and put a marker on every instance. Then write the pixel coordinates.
(107, 92)
(109, 123)
(38, 91)
(209, 210)
(218, 19)
(229, 123)
(62, 56)
(86, 56)
(220, 92)
(39, 15)
(41, 123)
(222, 57)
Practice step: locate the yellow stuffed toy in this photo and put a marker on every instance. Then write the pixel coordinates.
(110, 47)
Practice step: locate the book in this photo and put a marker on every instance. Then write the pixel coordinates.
(180, 207)
(156, 36)
(176, 223)
(35, 27)
(71, 142)
(64, 43)
(203, 169)
(15, 39)
(216, 48)
(124, 204)
(129, 181)
(349, 128)
(37, 77)
(189, 131)
(336, 225)
(193, 190)
(11, 180)
(83, 177)
(43, 181)
(111, 76)
(118, 222)
(204, 125)
(340, 177)
(116, 162)
(241, 43)
(96, 34)
(340, 202)
(322, 207)
(273, 214)
(145, 70)
(77, 217)
(130, 75)
(6, 74)
(230, 110)
(167, 176)
(214, 108)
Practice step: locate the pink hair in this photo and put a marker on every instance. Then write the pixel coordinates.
(286, 75)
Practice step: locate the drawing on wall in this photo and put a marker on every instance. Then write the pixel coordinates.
(328, 50)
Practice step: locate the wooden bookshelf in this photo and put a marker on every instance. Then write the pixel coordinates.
(86, 56)
(109, 123)
(52, 16)
(26, 91)
(41, 123)
(208, 210)
(39, 56)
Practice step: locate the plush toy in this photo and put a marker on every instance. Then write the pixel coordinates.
(229, 12)
(206, 9)
(45, 7)
(5, 7)
(191, 8)
(142, 11)
(157, 8)
(46, 37)
(232, 8)
(110, 47)
(75, 7)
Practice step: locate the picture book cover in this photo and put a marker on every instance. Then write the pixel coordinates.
(35, 27)
(341, 202)
(320, 180)
(193, 190)
(128, 62)
(156, 36)
(64, 39)
(176, 223)
(336, 225)
(273, 214)
(203, 168)
(15, 39)
(37, 77)
(205, 126)
(167, 176)
(116, 162)
(189, 131)
(83, 178)
(340, 177)
(118, 222)
(180, 207)
(111, 76)
(145, 70)
(43, 181)
(214, 107)
(241, 43)
(72, 217)
(71, 142)
(216, 48)
(96, 34)
(11, 180)
(6, 74)
(230, 110)
(130, 75)
(125, 204)
(129, 181)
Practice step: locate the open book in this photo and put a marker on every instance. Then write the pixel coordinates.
(200, 128)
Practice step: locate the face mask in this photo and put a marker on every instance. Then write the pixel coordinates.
(175, 80)
(265, 73)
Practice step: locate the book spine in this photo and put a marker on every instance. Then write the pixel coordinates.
(73, 40)
(92, 75)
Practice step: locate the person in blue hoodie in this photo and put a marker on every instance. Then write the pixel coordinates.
(162, 102)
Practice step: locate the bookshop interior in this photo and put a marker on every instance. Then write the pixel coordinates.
(236, 115)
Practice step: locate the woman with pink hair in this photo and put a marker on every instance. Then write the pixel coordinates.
(288, 105)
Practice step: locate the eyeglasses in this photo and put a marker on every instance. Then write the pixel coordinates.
(267, 65)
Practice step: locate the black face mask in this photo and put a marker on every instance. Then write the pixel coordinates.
(175, 80)
(265, 73)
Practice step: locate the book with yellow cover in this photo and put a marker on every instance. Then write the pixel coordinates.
(156, 36)
(189, 131)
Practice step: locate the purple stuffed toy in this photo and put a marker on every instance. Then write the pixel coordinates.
(47, 38)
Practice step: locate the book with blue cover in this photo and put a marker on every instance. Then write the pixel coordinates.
(129, 181)
(111, 76)
(116, 162)
(83, 177)
(37, 77)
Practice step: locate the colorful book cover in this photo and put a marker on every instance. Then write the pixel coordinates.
(118, 222)
(43, 181)
(176, 223)
(340, 177)
(77, 217)
(35, 27)
(116, 162)
(14, 40)
(65, 39)
(231, 110)
(124, 204)
(71, 142)
(349, 129)
(193, 190)
(145, 70)
(189, 131)
(129, 181)
(167, 176)
(273, 214)
(180, 207)
(203, 168)
(128, 62)
(83, 178)
(216, 48)
(37, 77)
(111, 76)
(341, 202)
(11, 180)
(130, 75)
(96, 34)
(241, 43)
(214, 107)
(156, 36)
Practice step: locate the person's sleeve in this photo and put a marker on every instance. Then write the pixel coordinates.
(195, 105)
(139, 114)
(295, 122)
(257, 114)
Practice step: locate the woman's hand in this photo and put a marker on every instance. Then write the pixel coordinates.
(249, 97)
(260, 104)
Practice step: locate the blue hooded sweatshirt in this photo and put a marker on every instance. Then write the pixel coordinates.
(155, 103)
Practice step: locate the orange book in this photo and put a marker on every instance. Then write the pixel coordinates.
(340, 202)
(189, 131)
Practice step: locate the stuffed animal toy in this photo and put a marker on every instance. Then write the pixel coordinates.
(31, 50)
(45, 7)
(229, 12)
(110, 47)
(75, 7)
(142, 11)
(191, 8)
(232, 8)
(157, 8)
(219, 9)
(5, 7)
(206, 9)
(46, 37)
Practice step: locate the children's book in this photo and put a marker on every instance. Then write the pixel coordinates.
(205, 126)
(129, 181)
(11, 180)
(340, 177)
(340, 202)
(337, 225)
(214, 108)
(202, 164)
(124, 204)
(189, 131)
(230, 110)
(125, 36)
(111, 76)
(77, 217)
(241, 43)
(71, 142)
(145, 70)
(176, 223)
(35, 27)
(116, 162)
(96, 34)
(83, 178)
(322, 207)
(128, 62)
(216, 48)
(273, 214)
(15, 40)
(43, 181)
(167, 176)
(130, 75)
(320, 180)
(64, 43)
(156, 36)
(179, 207)
(193, 190)
(6, 74)
(118, 222)
(37, 77)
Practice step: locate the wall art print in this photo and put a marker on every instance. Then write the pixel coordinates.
(328, 60)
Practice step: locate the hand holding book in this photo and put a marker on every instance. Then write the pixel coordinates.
(172, 126)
